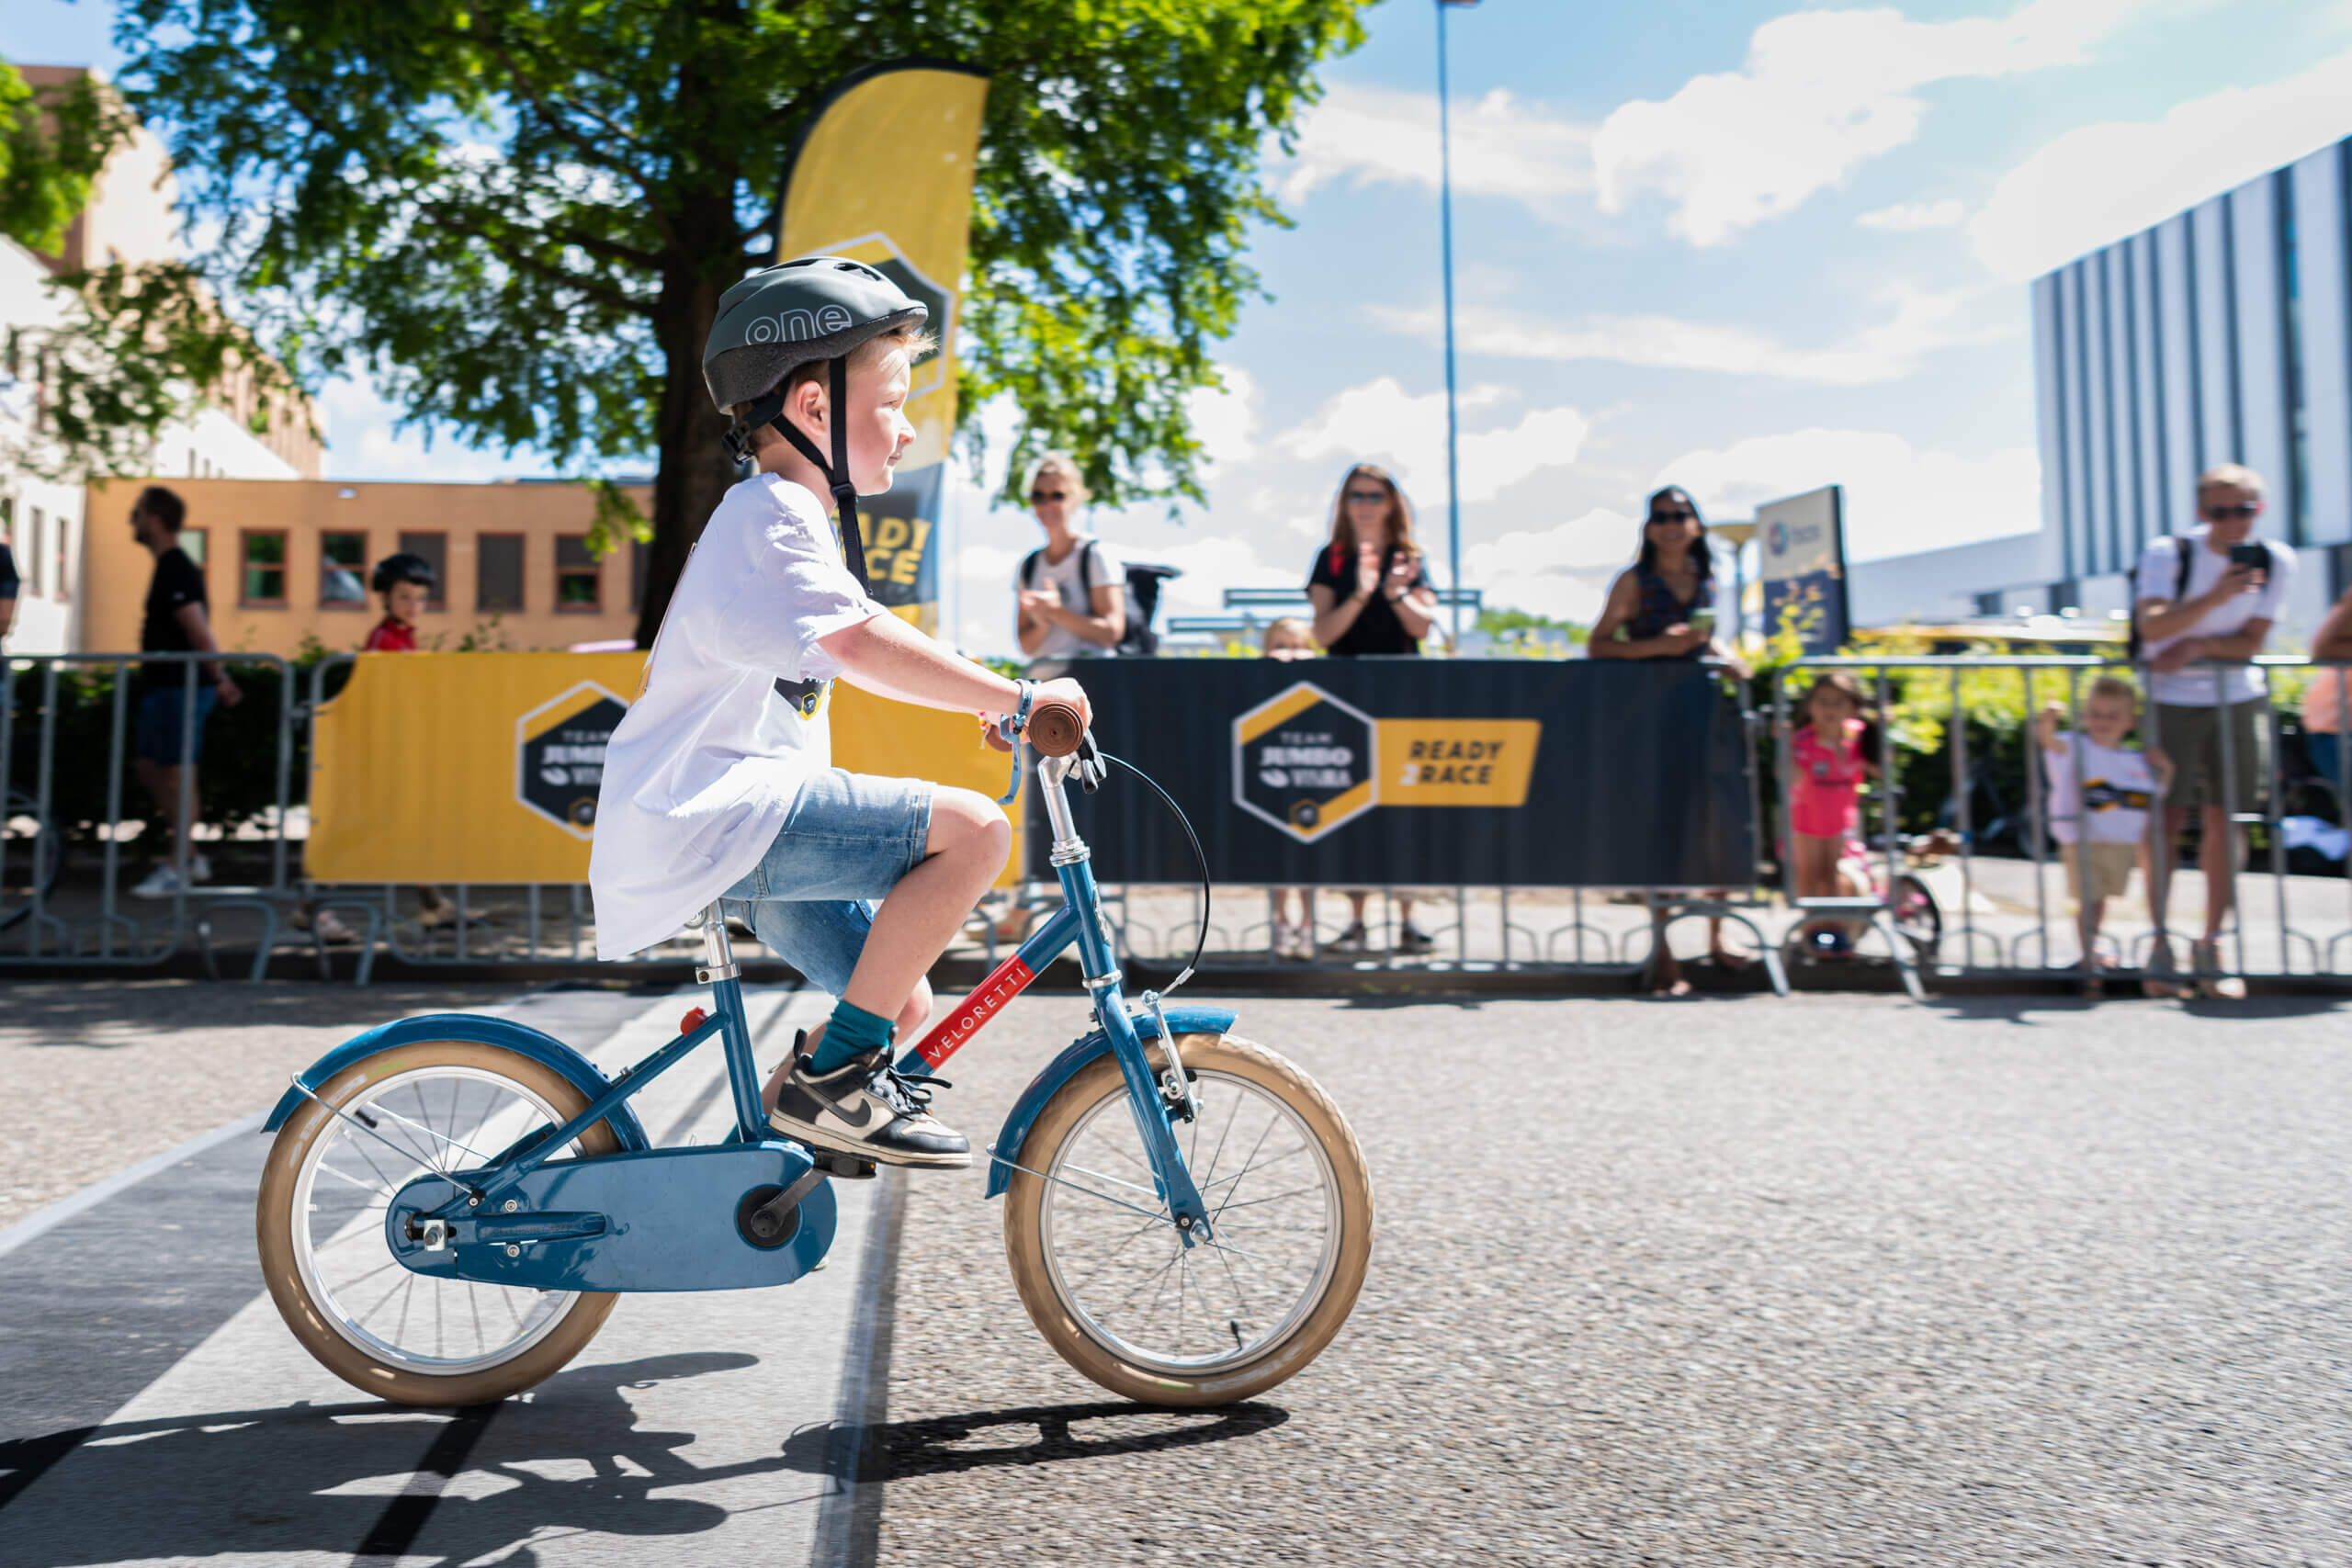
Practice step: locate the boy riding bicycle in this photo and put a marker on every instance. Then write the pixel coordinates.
(718, 785)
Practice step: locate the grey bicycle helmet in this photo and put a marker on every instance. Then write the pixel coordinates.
(780, 318)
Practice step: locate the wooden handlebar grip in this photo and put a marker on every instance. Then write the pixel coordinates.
(1054, 729)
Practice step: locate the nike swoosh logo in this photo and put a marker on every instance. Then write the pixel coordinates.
(864, 1114)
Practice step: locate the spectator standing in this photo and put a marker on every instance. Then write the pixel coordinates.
(2325, 699)
(1663, 607)
(1372, 596)
(1287, 639)
(2211, 594)
(406, 582)
(174, 622)
(1071, 593)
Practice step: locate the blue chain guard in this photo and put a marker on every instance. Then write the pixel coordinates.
(654, 1220)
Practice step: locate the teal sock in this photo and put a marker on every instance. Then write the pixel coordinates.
(852, 1031)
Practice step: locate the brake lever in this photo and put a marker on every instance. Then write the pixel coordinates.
(1090, 764)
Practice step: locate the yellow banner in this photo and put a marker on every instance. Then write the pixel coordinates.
(884, 175)
(1457, 761)
(485, 767)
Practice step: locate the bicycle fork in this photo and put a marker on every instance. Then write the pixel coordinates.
(1153, 1114)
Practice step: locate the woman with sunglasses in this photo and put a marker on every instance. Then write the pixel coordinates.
(1664, 607)
(1072, 593)
(1371, 591)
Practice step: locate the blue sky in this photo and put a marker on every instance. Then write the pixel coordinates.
(1748, 248)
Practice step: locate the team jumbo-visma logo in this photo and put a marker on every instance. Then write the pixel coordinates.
(880, 253)
(559, 755)
(1302, 761)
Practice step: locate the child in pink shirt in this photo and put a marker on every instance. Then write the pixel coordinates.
(1832, 754)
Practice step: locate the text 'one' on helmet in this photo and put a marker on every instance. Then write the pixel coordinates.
(783, 317)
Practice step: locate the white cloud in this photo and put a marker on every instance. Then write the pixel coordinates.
(2093, 184)
(1379, 422)
(363, 444)
(1887, 350)
(1898, 498)
(1820, 93)
(1909, 217)
(1225, 419)
(1365, 136)
(1561, 571)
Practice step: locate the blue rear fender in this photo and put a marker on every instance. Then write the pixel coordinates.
(1062, 1068)
(504, 1033)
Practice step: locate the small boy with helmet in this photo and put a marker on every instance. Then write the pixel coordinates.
(406, 582)
(718, 785)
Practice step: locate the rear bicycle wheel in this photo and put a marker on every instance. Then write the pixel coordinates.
(413, 1339)
(1917, 918)
(1097, 1261)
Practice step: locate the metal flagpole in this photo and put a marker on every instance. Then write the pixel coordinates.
(1445, 248)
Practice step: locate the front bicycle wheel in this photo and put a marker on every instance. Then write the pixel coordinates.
(1103, 1274)
(415, 1338)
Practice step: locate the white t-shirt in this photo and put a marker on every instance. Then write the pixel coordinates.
(2157, 579)
(732, 721)
(2114, 803)
(1067, 578)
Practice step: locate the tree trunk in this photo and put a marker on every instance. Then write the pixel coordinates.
(695, 470)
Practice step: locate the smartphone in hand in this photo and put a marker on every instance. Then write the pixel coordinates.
(2256, 557)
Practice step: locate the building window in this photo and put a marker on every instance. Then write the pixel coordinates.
(434, 550)
(1989, 603)
(192, 545)
(498, 577)
(34, 556)
(59, 587)
(578, 583)
(342, 571)
(263, 581)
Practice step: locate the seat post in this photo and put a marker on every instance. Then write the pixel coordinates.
(717, 953)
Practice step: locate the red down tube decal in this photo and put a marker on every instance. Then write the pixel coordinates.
(1008, 980)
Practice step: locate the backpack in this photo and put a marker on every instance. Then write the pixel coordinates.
(1142, 588)
(2181, 555)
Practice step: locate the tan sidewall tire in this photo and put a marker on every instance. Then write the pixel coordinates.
(274, 1229)
(1024, 1212)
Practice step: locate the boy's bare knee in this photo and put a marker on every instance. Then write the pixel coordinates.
(965, 821)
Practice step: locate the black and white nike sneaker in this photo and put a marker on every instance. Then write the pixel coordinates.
(868, 1109)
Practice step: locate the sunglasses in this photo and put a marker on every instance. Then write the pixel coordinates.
(1671, 516)
(1042, 496)
(1369, 497)
(2218, 513)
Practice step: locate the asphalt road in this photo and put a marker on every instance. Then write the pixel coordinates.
(1833, 1279)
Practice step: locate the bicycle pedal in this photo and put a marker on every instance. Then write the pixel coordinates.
(847, 1168)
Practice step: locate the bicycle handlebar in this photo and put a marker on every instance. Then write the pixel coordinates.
(1055, 729)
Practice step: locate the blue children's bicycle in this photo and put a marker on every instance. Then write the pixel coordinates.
(453, 1202)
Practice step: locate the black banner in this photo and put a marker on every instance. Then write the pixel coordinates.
(1366, 772)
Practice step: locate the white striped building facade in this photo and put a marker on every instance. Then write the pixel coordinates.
(2223, 335)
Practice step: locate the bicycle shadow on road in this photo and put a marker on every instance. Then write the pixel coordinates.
(942, 1445)
(329, 1478)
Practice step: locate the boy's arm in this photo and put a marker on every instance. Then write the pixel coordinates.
(886, 656)
(2045, 727)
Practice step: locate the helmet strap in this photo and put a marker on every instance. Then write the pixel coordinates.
(836, 472)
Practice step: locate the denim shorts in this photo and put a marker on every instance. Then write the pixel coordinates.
(157, 739)
(848, 842)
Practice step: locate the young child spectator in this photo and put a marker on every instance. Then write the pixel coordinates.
(1832, 748)
(1286, 640)
(406, 581)
(2102, 799)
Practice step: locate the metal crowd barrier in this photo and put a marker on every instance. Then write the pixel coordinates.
(37, 929)
(2151, 953)
(1486, 930)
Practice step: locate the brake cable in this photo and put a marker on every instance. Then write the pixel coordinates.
(1199, 855)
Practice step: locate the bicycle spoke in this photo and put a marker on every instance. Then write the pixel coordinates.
(1270, 1198)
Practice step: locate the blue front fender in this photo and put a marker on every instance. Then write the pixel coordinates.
(1183, 1021)
(504, 1033)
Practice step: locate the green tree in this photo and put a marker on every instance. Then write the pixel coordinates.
(520, 214)
(136, 344)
